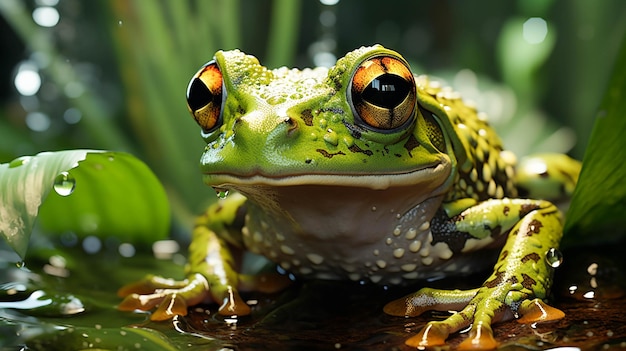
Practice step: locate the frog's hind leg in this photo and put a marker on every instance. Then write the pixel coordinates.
(520, 279)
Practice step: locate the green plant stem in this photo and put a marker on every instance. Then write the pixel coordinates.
(283, 36)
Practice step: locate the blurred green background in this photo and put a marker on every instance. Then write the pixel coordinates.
(112, 74)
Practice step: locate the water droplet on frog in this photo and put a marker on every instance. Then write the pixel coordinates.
(64, 184)
(19, 161)
(554, 257)
(221, 193)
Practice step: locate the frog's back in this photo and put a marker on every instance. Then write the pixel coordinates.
(485, 170)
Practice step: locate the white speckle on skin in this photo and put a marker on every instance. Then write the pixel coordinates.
(415, 246)
(280, 237)
(462, 184)
(376, 252)
(286, 250)
(398, 253)
(486, 173)
(411, 234)
(315, 258)
(491, 188)
(409, 267)
(285, 265)
(376, 278)
(473, 175)
(411, 275)
(395, 281)
(397, 230)
(389, 241)
(257, 237)
(425, 252)
(305, 270)
(381, 264)
(451, 267)
(348, 268)
(425, 226)
(427, 261)
(354, 276)
(442, 250)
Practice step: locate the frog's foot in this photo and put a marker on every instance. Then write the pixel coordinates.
(479, 309)
(172, 297)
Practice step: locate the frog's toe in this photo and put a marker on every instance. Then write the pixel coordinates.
(480, 338)
(234, 305)
(435, 333)
(149, 285)
(171, 305)
(171, 297)
(427, 299)
(537, 311)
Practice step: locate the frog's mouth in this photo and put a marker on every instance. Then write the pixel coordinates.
(350, 208)
(433, 176)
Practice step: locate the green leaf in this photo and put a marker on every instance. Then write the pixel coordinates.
(95, 193)
(599, 201)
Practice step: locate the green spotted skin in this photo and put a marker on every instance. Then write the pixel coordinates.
(485, 170)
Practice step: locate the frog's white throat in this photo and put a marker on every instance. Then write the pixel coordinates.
(350, 208)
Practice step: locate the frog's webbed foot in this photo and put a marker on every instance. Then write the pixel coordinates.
(172, 297)
(479, 308)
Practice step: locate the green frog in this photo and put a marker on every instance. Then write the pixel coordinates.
(365, 172)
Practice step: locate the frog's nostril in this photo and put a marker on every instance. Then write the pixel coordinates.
(292, 125)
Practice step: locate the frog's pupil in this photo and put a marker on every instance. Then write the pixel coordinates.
(387, 90)
(199, 95)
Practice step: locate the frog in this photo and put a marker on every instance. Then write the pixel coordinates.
(365, 172)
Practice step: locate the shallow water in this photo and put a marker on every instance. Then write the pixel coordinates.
(66, 300)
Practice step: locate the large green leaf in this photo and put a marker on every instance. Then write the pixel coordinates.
(95, 193)
(599, 203)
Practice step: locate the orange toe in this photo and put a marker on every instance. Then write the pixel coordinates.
(430, 335)
(537, 311)
(139, 302)
(480, 338)
(171, 306)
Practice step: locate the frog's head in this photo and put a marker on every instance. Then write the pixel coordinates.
(360, 124)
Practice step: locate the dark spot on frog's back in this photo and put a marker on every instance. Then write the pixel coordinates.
(357, 149)
(531, 257)
(307, 117)
(528, 282)
(328, 154)
(534, 227)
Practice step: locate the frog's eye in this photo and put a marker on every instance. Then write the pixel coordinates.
(204, 96)
(382, 93)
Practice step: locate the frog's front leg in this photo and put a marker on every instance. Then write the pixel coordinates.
(520, 280)
(210, 272)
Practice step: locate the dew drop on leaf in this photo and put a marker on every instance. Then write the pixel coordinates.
(19, 161)
(64, 184)
(554, 257)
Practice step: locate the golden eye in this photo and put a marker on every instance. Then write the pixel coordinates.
(204, 96)
(382, 93)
